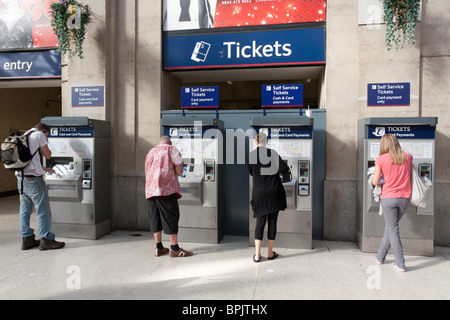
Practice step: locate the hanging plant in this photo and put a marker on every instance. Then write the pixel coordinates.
(69, 22)
(401, 17)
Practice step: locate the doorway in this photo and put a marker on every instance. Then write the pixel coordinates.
(23, 105)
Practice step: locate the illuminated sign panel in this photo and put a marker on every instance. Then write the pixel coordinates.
(207, 14)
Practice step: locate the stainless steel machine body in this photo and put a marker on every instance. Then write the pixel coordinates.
(417, 137)
(79, 191)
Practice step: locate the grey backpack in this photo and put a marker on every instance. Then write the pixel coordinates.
(15, 152)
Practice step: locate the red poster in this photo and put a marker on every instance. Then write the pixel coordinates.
(206, 14)
(26, 24)
(241, 13)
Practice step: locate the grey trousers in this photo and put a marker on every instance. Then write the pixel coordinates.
(393, 211)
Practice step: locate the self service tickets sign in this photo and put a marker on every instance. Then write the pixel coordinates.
(282, 95)
(200, 98)
(389, 94)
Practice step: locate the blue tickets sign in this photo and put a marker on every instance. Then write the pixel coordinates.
(192, 132)
(228, 50)
(287, 132)
(389, 94)
(71, 132)
(30, 65)
(402, 131)
(284, 95)
(200, 97)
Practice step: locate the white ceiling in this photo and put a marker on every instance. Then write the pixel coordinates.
(257, 74)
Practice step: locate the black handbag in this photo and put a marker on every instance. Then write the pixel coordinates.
(285, 176)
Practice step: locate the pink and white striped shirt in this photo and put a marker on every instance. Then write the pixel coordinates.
(161, 178)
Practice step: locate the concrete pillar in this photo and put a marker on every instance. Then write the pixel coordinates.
(123, 54)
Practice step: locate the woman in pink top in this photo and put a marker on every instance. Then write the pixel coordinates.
(395, 166)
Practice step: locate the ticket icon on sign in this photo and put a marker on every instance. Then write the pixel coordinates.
(201, 51)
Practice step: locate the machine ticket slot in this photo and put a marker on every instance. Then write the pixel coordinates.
(65, 182)
(191, 186)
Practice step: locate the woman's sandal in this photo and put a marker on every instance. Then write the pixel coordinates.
(275, 255)
(254, 259)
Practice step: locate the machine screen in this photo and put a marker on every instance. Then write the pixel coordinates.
(209, 169)
(290, 148)
(61, 169)
(419, 150)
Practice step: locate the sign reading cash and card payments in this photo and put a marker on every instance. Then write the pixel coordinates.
(286, 95)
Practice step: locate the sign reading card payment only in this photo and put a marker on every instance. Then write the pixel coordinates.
(389, 94)
(200, 97)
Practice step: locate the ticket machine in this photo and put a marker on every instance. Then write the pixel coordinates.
(200, 142)
(292, 138)
(417, 137)
(79, 190)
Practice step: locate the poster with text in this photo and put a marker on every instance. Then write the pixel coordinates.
(206, 14)
(26, 24)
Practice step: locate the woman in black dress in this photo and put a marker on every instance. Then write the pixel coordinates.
(268, 197)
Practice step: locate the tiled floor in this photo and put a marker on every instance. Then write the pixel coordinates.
(122, 266)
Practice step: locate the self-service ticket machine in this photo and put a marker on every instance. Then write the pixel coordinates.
(200, 142)
(417, 137)
(292, 138)
(79, 191)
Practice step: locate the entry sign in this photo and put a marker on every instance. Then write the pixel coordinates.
(200, 97)
(282, 95)
(88, 97)
(389, 94)
(30, 65)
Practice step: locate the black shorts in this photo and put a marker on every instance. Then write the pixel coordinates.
(164, 214)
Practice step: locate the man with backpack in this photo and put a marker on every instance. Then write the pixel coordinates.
(33, 191)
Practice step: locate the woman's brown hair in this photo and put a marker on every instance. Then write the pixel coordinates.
(42, 127)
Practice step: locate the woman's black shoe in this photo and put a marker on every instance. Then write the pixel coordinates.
(256, 261)
(275, 255)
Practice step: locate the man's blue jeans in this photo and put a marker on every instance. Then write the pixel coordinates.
(35, 193)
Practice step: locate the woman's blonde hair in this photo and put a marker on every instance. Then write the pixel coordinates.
(390, 144)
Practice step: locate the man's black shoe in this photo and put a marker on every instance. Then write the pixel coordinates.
(30, 242)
